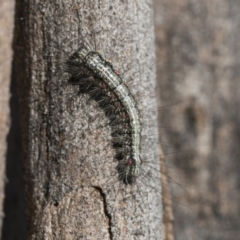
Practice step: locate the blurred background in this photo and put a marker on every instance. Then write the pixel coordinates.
(198, 69)
(198, 62)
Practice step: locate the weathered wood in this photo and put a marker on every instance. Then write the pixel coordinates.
(72, 188)
(6, 28)
(198, 68)
(168, 218)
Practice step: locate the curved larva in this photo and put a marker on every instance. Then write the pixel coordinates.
(130, 166)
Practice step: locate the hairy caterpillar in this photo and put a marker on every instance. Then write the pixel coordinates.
(90, 70)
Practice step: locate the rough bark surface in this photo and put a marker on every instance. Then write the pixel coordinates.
(198, 68)
(6, 24)
(72, 188)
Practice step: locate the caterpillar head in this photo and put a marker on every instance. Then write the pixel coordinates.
(129, 170)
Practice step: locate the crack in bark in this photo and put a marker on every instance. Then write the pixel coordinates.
(108, 215)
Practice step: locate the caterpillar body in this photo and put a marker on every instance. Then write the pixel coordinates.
(89, 69)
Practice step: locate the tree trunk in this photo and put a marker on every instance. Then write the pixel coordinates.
(198, 67)
(168, 218)
(72, 186)
(6, 23)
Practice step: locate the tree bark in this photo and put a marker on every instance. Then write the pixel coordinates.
(198, 68)
(6, 23)
(71, 184)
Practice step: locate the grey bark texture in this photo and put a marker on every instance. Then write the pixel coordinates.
(71, 184)
(198, 68)
(6, 29)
